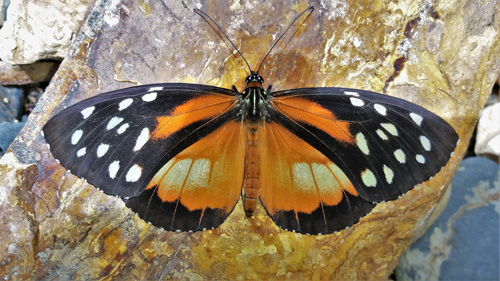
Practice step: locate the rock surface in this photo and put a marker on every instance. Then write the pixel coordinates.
(441, 55)
(24, 35)
(488, 132)
(463, 243)
(27, 74)
(11, 105)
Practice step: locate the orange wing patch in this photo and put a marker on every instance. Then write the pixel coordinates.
(191, 112)
(208, 174)
(295, 176)
(316, 115)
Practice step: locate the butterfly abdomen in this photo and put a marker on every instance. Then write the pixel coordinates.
(251, 178)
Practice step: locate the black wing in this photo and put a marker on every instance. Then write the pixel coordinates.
(118, 141)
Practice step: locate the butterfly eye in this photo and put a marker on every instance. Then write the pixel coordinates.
(254, 80)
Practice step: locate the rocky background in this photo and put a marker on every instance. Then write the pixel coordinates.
(444, 56)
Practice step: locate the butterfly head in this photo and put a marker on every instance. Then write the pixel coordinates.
(254, 80)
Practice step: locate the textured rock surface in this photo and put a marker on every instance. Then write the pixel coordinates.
(441, 55)
(36, 30)
(463, 243)
(27, 74)
(11, 105)
(488, 131)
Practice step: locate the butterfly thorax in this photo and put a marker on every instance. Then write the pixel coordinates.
(254, 99)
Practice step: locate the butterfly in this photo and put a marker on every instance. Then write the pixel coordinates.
(182, 155)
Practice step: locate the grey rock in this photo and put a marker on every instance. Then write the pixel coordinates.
(463, 243)
(11, 104)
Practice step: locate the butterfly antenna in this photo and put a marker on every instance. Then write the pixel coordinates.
(311, 8)
(210, 21)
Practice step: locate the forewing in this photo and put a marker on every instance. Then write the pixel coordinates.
(384, 145)
(118, 141)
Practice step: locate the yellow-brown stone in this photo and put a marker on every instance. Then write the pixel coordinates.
(442, 55)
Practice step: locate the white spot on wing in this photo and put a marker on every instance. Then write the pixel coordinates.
(134, 173)
(149, 97)
(122, 128)
(389, 174)
(416, 118)
(102, 149)
(381, 134)
(87, 112)
(362, 144)
(81, 152)
(113, 169)
(420, 159)
(357, 102)
(390, 128)
(351, 93)
(400, 156)
(152, 89)
(426, 144)
(113, 122)
(380, 109)
(125, 103)
(77, 135)
(142, 139)
(368, 178)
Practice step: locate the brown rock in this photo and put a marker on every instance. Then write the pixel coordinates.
(443, 56)
(27, 74)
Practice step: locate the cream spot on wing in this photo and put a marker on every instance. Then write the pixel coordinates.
(177, 175)
(324, 179)
(426, 144)
(82, 151)
(341, 177)
(199, 175)
(87, 112)
(420, 159)
(362, 144)
(389, 174)
(368, 178)
(380, 109)
(113, 169)
(142, 139)
(76, 136)
(102, 149)
(134, 173)
(125, 103)
(149, 97)
(381, 134)
(416, 118)
(113, 122)
(390, 128)
(357, 102)
(400, 156)
(302, 176)
(123, 128)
